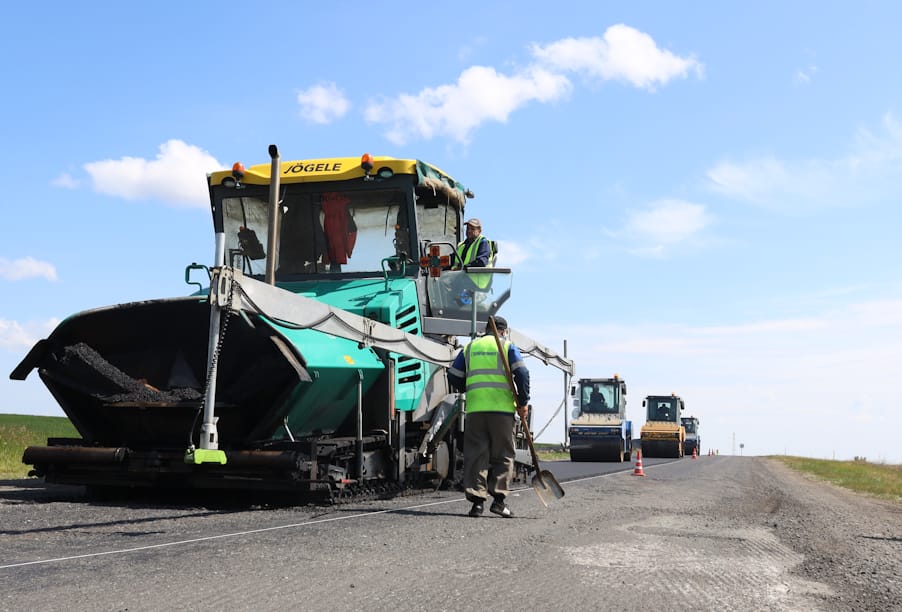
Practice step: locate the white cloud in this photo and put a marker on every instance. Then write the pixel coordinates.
(769, 181)
(804, 75)
(665, 223)
(759, 327)
(851, 342)
(721, 340)
(177, 175)
(870, 170)
(651, 345)
(481, 94)
(623, 53)
(468, 50)
(66, 181)
(879, 313)
(26, 267)
(323, 103)
(16, 336)
(510, 254)
(876, 150)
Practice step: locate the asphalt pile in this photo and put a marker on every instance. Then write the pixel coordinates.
(108, 383)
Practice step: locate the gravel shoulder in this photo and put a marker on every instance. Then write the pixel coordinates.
(848, 540)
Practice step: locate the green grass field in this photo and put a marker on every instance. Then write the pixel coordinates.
(551, 452)
(18, 431)
(881, 480)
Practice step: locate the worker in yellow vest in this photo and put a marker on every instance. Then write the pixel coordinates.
(475, 250)
(490, 408)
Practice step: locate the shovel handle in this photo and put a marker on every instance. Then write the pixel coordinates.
(510, 381)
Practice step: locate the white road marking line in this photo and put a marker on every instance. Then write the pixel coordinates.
(274, 528)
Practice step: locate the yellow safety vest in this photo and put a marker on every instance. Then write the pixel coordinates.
(468, 254)
(488, 389)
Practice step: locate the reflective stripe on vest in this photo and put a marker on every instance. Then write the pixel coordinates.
(488, 389)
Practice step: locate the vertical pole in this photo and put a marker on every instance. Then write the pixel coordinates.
(402, 446)
(274, 216)
(392, 412)
(209, 436)
(473, 315)
(219, 250)
(208, 433)
(566, 401)
(359, 440)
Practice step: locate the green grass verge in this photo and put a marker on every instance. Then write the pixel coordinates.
(552, 452)
(18, 431)
(878, 479)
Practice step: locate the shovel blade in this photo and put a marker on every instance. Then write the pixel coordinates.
(547, 487)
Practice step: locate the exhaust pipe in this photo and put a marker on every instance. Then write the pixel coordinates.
(274, 216)
(39, 455)
(82, 455)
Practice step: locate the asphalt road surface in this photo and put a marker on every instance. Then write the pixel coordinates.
(716, 533)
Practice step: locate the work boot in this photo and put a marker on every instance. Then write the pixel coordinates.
(501, 509)
(477, 509)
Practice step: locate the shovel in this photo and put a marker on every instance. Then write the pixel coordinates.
(544, 483)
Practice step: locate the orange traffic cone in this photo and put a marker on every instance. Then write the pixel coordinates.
(639, 471)
(694, 453)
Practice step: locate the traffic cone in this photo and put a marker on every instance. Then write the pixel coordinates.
(638, 471)
(694, 453)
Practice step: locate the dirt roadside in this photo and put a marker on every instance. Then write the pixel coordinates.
(848, 540)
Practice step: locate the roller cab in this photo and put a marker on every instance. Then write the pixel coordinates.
(599, 430)
(693, 440)
(663, 433)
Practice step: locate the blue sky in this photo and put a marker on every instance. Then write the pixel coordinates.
(702, 197)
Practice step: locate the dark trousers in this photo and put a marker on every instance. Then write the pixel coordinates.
(488, 454)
